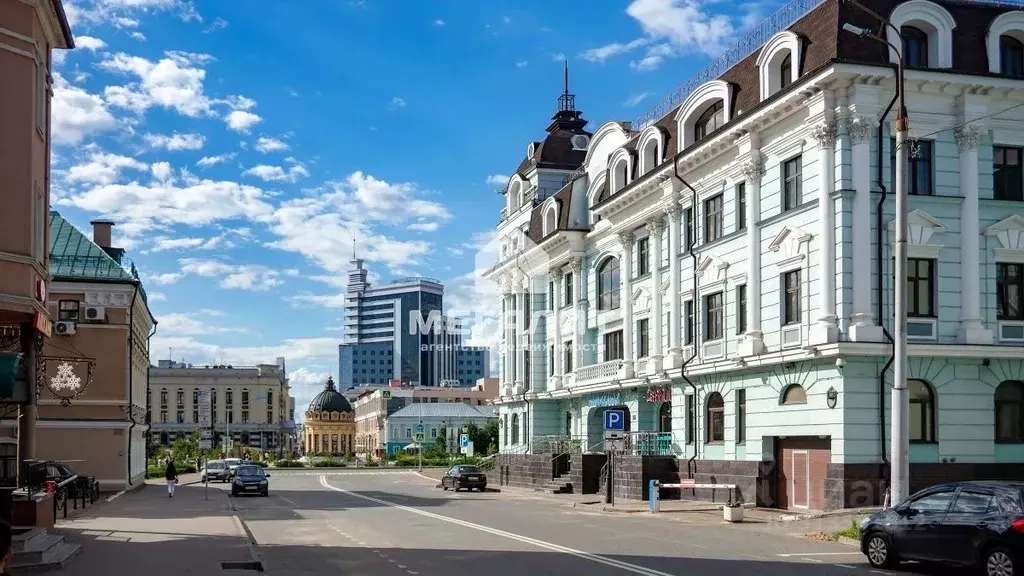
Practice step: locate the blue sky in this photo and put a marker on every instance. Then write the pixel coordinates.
(241, 147)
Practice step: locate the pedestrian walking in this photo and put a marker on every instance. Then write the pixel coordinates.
(171, 475)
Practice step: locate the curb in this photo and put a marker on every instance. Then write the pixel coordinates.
(250, 541)
(848, 541)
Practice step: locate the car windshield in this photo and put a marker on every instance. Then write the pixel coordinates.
(233, 461)
(249, 471)
(468, 470)
(215, 466)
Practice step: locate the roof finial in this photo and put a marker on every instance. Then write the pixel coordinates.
(354, 249)
(567, 101)
(566, 77)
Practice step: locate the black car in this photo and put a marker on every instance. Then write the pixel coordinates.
(250, 479)
(464, 476)
(963, 524)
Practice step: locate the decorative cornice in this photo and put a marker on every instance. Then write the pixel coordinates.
(967, 137)
(576, 263)
(674, 210)
(825, 133)
(655, 226)
(753, 170)
(627, 238)
(859, 128)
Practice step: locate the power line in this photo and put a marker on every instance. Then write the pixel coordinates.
(979, 118)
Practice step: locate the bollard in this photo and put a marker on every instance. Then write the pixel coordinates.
(654, 493)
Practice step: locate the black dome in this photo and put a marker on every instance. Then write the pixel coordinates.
(330, 400)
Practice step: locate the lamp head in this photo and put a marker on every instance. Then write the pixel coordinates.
(856, 30)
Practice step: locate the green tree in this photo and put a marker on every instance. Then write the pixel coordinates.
(489, 436)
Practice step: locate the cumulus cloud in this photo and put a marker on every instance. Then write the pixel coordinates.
(234, 276)
(175, 81)
(207, 161)
(174, 142)
(89, 43)
(103, 168)
(266, 144)
(76, 114)
(498, 180)
(269, 173)
(242, 120)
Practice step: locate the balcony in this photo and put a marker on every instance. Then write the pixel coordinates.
(595, 373)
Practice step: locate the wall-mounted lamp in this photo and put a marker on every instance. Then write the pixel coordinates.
(832, 397)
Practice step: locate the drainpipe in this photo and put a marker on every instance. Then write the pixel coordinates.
(690, 465)
(880, 268)
(131, 373)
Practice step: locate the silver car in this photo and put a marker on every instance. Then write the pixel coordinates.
(215, 471)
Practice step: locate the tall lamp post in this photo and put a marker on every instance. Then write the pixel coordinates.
(900, 441)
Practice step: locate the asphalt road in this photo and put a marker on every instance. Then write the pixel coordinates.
(396, 523)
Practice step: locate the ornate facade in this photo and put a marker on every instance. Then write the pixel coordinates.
(330, 426)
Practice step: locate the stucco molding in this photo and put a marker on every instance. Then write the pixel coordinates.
(933, 20)
(1006, 24)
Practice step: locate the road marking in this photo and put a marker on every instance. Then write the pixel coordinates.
(287, 500)
(846, 566)
(818, 554)
(880, 572)
(634, 568)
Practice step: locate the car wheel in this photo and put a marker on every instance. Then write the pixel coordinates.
(998, 561)
(266, 493)
(444, 485)
(457, 487)
(878, 551)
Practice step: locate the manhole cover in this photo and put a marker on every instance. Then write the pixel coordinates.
(250, 566)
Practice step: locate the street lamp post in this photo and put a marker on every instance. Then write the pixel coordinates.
(900, 441)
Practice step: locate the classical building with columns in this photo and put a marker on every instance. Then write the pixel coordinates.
(722, 269)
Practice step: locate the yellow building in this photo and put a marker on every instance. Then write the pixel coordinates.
(330, 426)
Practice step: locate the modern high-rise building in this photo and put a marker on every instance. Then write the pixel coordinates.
(397, 331)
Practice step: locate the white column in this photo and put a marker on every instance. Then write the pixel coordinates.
(626, 301)
(579, 321)
(657, 348)
(862, 320)
(520, 331)
(675, 350)
(972, 328)
(752, 343)
(826, 330)
(556, 329)
(506, 342)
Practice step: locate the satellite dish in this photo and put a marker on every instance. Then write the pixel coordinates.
(580, 142)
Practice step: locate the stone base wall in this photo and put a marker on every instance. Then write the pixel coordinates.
(633, 474)
(525, 470)
(749, 478)
(585, 472)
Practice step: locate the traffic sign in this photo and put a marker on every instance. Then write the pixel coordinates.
(205, 444)
(464, 441)
(615, 420)
(418, 437)
(420, 428)
(385, 394)
(205, 410)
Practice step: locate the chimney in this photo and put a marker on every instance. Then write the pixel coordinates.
(101, 232)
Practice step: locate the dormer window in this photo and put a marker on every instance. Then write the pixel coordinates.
(915, 47)
(1011, 56)
(712, 119)
(786, 71)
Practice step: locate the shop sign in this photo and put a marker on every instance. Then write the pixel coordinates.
(42, 324)
(659, 395)
(604, 400)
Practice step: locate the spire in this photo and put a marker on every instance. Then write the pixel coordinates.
(354, 249)
(329, 387)
(567, 101)
(567, 117)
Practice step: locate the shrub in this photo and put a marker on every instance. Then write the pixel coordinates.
(288, 464)
(329, 463)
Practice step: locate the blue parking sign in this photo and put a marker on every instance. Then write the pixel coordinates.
(615, 420)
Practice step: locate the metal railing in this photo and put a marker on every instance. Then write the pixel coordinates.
(649, 444)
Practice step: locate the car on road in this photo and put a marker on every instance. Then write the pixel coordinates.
(250, 479)
(464, 476)
(977, 524)
(232, 464)
(215, 471)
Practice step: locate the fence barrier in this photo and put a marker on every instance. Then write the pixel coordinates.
(654, 492)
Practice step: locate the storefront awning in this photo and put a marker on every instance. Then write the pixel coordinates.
(9, 364)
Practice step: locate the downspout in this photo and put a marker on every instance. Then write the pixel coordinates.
(879, 263)
(690, 465)
(131, 374)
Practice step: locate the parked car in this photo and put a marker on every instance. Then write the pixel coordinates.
(464, 476)
(58, 472)
(976, 524)
(232, 464)
(215, 471)
(250, 479)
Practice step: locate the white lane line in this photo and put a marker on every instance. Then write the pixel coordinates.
(287, 500)
(880, 572)
(846, 566)
(798, 554)
(517, 537)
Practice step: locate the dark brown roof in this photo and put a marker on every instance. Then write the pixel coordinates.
(563, 198)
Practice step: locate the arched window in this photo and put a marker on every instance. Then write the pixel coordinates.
(665, 418)
(650, 155)
(163, 396)
(1011, 56)
(1009, 401)
(550, 220)
(515, 428)
(620, 174)
(179, 398)
(715, 418)
(794, 394)
(922, 411)
(195, 396)
(709, 121)
(608, 285)
(786, 71)
(915, 46)
(504, 429)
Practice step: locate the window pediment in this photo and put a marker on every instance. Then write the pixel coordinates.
(641, 299)
(789, 243)
(712, 271)
(921, 226)
(1009, 232)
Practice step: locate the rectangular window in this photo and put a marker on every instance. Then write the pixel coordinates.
(688, 323)
(230, 417)
(643, 256)
(67, 310)
(792, 183)
(1010, 291)
(567, 346)
(688, 236)
(920, 287)
(195, 416)
(526, 310)
(163, 416)
(245, 416)
(741, 206)
(551, 296)
(1008, 183)
(551, 360)
(713, 218)
(642, 338)
(791, 298)
(741, 309)
(568, 289)
(613, 346)
(691, 420)
(180, 417)
(714, 316)
(741, 416)
(39, 249)
(919, 166)
(41, 90)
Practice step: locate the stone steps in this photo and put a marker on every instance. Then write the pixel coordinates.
(556, 486)
(36, 550)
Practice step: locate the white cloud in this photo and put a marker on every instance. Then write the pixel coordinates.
(603, 53)
(438, 22)
(207, 161)
(174, 82)
(217, 24)
(267, 144)
(233, 276)
(293, 349)
(76, 114)
(558, 57)
(397, 102)
(183, 324)
(637, 98)
(522, 64)
(319, 300)
(165, 278)
(103, 168)
(269, 173)
(90, 43)
(242, 120)
(162, 172)
(156, 297)
(138, 36)
(176, 141)
(498, 180)
(118, 12)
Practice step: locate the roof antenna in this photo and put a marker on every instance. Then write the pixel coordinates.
(567, 77)
(566, 102)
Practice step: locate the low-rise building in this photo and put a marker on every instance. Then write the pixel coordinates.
(373, 408)
(251, 406)
(401, 427)
(328, 425)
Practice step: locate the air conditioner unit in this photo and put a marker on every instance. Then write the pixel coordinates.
(95, 313)
(64, 328)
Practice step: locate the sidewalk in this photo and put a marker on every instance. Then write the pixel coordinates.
(145, 532)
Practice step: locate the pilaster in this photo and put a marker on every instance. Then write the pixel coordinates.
(657, 348)
(626, 301)
(556, 337)
(826, 329)
(862, 321)
(579, 320)
(752, 343)
(972, 328)
(675, 351)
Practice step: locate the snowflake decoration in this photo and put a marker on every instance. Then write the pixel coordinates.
(65, 379)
